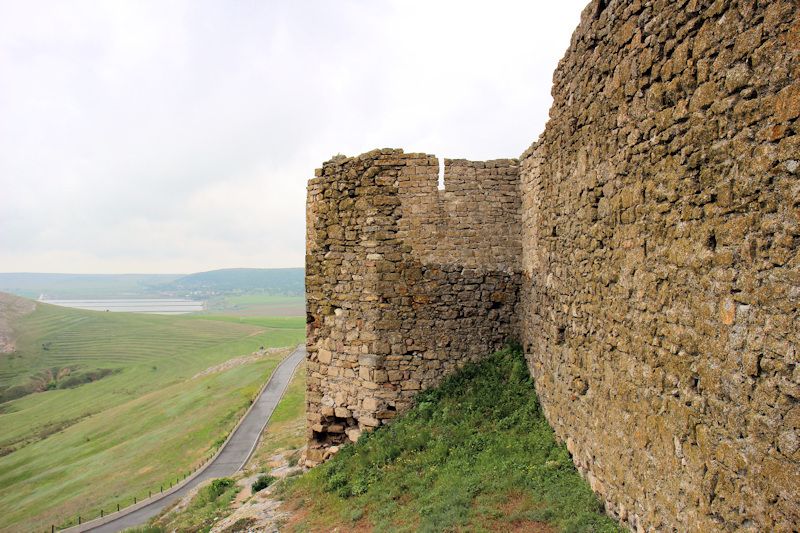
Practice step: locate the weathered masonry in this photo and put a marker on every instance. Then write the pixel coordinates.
(644, 250)
(404, 282)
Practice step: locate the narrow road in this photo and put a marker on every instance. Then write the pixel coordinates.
(233, 456)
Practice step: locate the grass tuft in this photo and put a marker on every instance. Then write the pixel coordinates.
(263, 481)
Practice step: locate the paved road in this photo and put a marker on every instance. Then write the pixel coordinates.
(232, 457)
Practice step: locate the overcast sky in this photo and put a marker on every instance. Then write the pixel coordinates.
(176, 136)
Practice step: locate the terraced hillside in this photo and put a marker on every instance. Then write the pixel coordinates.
(96, 408)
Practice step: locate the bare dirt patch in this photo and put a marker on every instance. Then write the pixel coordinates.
(513, 518)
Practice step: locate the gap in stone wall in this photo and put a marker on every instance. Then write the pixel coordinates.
(441, 173)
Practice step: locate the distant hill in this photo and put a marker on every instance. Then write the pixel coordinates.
(272, 281)
(229, 281)
(66, 286)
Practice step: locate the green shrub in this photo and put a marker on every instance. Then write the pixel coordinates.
(263, 481)
(218, 487)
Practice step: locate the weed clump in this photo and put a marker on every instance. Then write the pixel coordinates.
(262, 482)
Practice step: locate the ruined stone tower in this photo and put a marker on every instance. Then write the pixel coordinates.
(644, 250)
(405, 282)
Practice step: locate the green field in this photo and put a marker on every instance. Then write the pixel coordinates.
(74, 450)
(258, 305)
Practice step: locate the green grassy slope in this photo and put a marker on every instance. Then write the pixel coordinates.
(74, 450)
(475, 454)
(276, 322)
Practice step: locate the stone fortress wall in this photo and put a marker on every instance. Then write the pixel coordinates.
(662, 278)
(404, 282)
(645, 251)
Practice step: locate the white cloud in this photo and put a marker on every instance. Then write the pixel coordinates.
(178, 136)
